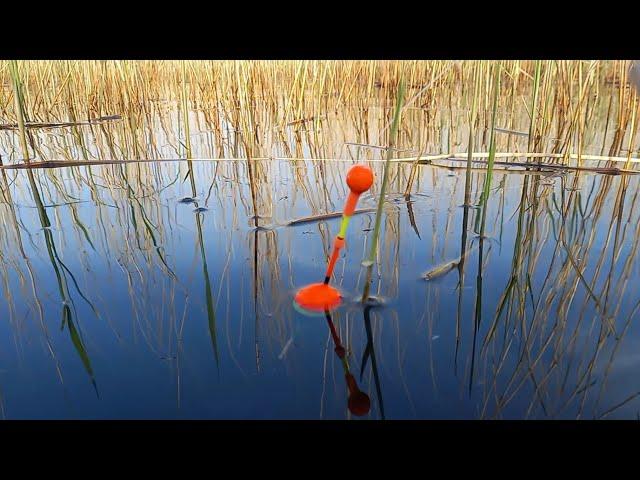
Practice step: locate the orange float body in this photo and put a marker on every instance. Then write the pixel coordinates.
(319, 297)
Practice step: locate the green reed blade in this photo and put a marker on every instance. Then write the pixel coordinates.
(492, 148)
(19, 106)
(393, 134)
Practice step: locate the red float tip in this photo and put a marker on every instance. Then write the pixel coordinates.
(359, 178)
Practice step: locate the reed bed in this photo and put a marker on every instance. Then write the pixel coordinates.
(298, 108)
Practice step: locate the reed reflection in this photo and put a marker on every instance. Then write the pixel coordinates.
(550, 308)
(63, 274)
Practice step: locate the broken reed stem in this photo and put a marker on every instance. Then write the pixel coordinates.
(596, 158)
(32, 125)
(393, 134)
(325, 216)
(541, 166)
(412, 175)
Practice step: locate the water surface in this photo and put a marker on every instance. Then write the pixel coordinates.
(121, 299)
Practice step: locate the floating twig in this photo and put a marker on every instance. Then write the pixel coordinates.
(379, 147)
(14, 126)
(325, 216)
(596, 158)
(552, 166)
(444, 268)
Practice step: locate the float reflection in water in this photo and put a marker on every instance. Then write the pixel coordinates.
(359, 403)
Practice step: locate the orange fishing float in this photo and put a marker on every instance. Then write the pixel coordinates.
(319, 297)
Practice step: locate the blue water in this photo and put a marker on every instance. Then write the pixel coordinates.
(130, 266)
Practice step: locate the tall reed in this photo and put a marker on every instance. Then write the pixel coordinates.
(19, 107)
(470, 146)
(465, 206)
(492, 148)
(534, 107)
(187, 130)
(393, 136)
(283, 99)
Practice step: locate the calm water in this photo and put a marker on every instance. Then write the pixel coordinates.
(121, 301)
